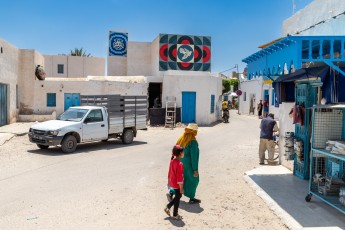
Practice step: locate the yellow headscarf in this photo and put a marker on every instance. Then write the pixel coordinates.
(187, 137)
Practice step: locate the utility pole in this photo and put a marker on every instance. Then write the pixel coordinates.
(293, 7)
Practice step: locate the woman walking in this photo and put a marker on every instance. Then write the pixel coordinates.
(190, 161)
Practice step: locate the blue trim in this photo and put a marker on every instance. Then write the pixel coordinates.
(212, 103)
(289, 50)
(51, 99)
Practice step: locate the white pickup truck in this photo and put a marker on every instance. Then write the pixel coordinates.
(98, 119)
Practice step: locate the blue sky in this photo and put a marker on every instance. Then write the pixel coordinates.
(237, 27)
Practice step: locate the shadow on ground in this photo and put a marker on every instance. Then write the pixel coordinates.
(86, 147)
(193, 208)
(289, 193)
(176, 223)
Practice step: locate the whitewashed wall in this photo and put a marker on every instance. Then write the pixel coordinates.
(9, 76)
(28, 60)
(88, 86)
(316, 12)
(285, 125)
(253, 86)
(204, 84)
(74, 66)
(116, 66)
(139, 58)
(155, 58)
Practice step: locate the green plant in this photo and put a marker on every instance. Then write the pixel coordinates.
(227, 84)
(79, 52)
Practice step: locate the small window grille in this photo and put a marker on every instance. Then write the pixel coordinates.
(60, 68)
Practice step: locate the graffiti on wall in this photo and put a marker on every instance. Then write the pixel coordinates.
(181, 52)
(118, 43)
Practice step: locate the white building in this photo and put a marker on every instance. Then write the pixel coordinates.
(320, 17)
(136, 71)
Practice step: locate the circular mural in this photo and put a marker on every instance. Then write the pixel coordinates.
(197, 53)
(185, 53)
(185, 65)
(118, 44)
(172, 52)
(206, 54)
(163, 52)
(185, 40)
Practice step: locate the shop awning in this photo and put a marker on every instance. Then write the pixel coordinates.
(315, 73)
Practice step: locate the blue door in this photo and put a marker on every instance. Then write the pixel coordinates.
(71, 99)
(188, 107)
(3, 104)
(267, 98)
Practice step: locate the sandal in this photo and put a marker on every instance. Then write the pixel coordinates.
(167, 211)
(177, 217)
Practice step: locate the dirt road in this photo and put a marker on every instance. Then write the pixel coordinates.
(113, 186)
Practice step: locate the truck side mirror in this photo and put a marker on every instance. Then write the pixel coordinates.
(87, 120)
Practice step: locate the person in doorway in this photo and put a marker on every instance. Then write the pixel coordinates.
(175, 181)
(268, 125)
(156, 103)
(259, 108)
(265, 106)
(190, 161)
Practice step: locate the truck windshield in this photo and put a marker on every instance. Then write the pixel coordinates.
(73, 115)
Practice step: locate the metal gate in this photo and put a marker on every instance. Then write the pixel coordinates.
(188, 107)
(3, 104)
(305, 96)
(71, 99)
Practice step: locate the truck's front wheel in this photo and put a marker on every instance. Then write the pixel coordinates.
(69, 144)
(127, 136)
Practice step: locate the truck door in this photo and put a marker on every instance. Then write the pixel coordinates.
(95, 126)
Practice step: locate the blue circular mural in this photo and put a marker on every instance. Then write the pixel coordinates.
(118, 44)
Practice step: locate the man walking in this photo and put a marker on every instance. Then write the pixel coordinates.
(268, 125)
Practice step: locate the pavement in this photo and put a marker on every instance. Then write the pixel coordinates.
(281, 191)
(7, 132)
(285, 195)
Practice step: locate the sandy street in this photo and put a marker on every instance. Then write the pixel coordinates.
(113, 186)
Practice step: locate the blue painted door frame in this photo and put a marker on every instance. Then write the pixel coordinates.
(188, 107)
(3, 104)
(71, 99)
(267, 96)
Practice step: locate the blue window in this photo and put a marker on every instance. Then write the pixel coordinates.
(51, 99)
(212, 103)
(273, 96)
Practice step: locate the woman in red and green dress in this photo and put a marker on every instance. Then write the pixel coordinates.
(190, 161)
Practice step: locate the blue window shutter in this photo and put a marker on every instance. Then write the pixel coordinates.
(51, 99)
(273, 96)
(212, 103)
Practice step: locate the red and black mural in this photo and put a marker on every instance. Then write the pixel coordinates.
(181, 52)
